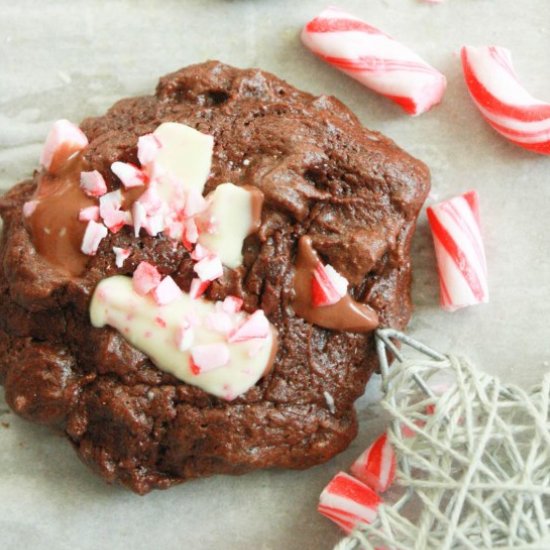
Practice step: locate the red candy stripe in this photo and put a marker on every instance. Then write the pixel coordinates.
(348, 502)
(375, 59)
(459, 250)
(376, 465)
(502, 100)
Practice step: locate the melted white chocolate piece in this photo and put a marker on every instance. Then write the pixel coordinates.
(185, 154)
(231, 209)
(155, 330)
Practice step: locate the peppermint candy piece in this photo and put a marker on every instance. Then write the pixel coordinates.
(121, 254)
(146, 278)
(64, 140)
(348, 502)
(94, 234)
(209, 357)
(459, 251)
(375, 59)
(256, 326)
(376, 465)
(503, 101)
(93, 183)
(166, 292)
(327, 286)
(129, 174)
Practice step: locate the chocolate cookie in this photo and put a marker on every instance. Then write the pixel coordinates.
(334, 193)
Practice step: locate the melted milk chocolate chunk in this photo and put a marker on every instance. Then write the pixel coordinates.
(352, 191)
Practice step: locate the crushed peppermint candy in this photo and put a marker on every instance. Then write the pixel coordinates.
(121, 254)
(129, 174)
(64, 140)
(209, 268)
(198, 288)
(146, 278)
(148, 149)
(166, 292)
(256, 326)
(94, 234)
(327, 286)
(89, 213)
(208, 357)
(93, 183)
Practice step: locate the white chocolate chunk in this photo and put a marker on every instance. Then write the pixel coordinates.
(185, 154)
(156, 331)
(231, 211)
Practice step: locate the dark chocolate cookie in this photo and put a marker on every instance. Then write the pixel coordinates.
(352, 191)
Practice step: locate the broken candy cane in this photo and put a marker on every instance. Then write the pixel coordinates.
(504, 103)
(376, 465)
(64, 139)
(93, 184)
(146, 278)
(94, 234)
(121, 254)
(348, 502)
(374, 59)
(459, 251)
(327, 286)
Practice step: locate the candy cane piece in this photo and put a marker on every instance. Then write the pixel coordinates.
(503, 101)
(375, 59)
(209, 357)
(348, 502)
(166, 292)
(256, 326)
(64, 139)
(376, 465)
(146, 278)
(94, 234)
(327, 286)
(121, 255)
(459, 251)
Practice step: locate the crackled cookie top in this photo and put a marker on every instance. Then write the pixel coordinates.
(350, 194)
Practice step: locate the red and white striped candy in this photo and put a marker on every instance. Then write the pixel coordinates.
(374, 59)
(64, 139)
(459, 251)
(376, 465)
(503, 101)
(198, 288)
(348, 502)
(327, 286)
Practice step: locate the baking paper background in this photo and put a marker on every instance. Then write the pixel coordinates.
(72, 59)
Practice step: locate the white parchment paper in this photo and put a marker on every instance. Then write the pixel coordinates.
(74, 58)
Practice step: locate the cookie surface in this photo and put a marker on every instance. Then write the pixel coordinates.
(352, 191)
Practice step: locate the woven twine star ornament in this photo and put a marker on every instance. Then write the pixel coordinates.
(473, 455)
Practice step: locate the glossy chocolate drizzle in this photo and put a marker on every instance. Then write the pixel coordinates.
(54, 226)
(346, 314)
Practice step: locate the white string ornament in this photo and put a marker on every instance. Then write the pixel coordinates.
(473, 457)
